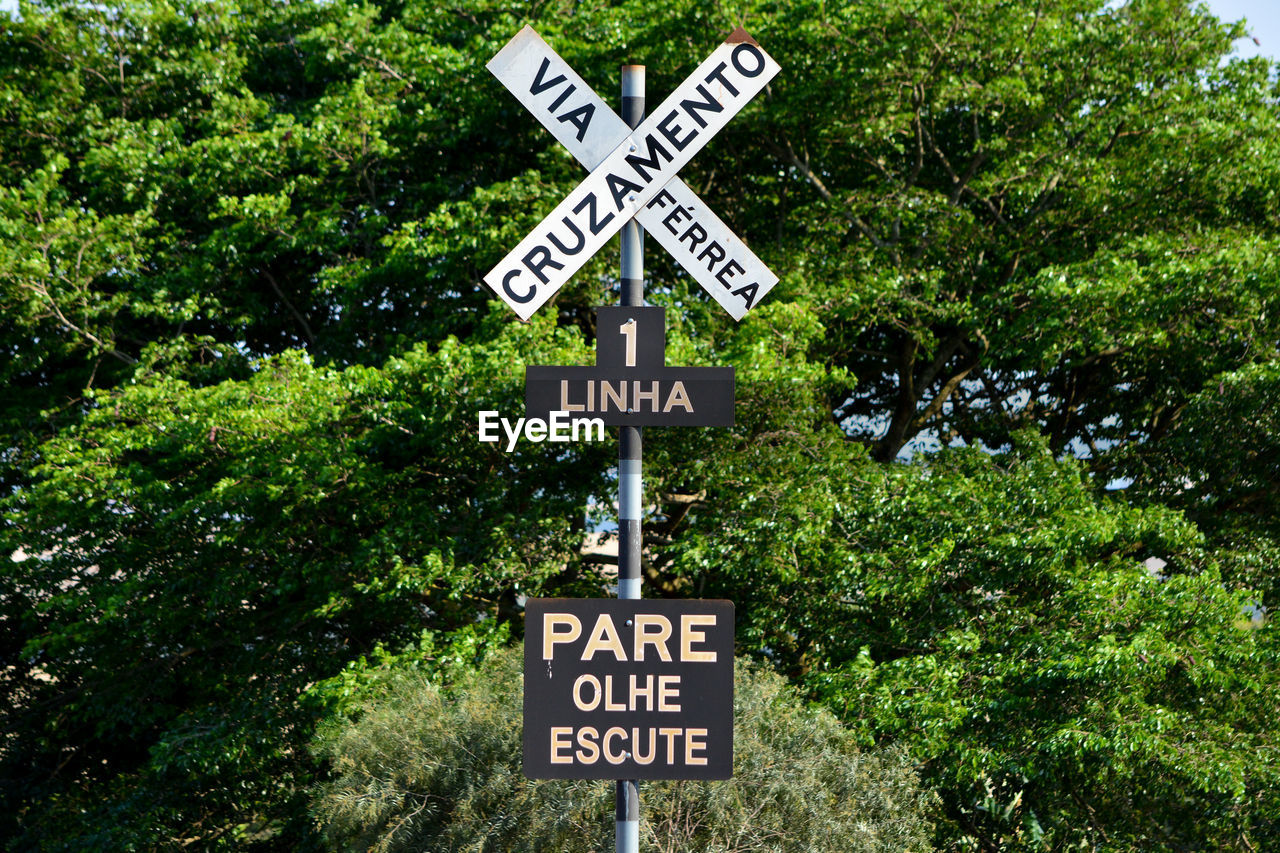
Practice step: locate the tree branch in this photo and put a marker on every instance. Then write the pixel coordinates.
(297, 315)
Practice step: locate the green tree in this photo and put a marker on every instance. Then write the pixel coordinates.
(248, 538)
(1058, 214)
(245, 344)
(1230, 485)
(421, 766)
(1009, 626)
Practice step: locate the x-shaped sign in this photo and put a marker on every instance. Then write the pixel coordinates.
(632, 173)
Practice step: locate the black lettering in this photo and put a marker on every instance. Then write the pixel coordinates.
(538, 86)
(582, 240)
(516, 297)
(672, 134)
(620, 187)
(730, 270)
(596, 225)
(744, 47)
(718, 74)
(748, 292)
(580, 118)
(662, 198)
(716, 254)
(555, 105)
(711, 105)
(535, 265)
(676, 215)
(696, 234)
(639, 163)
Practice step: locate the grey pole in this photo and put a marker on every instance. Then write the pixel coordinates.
(627, 798)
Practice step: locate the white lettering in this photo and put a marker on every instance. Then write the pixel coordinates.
(692, 743)
(488, 423)
(637, 691)
(668, 691)
(618, 745)
(628, 331)
(592, 427)
(561, 739)
(512, 434)
(604, 637)
(640, 757)
(678, 397)
(651, 629)
(535, 429)
(671, 735)
(559, 427)
(651, 395)
(656, 638)
(618, 395)
(616, 757)
(550, 636)
(595, 694)
(690, 635)
(586, 739)
(610, 704)
(565, 405)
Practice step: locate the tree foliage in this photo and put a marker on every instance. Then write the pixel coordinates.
(281, 525)
(1027, 214)
(1230, 485)
(1009, 624)
(1028, 253)
(421, 765)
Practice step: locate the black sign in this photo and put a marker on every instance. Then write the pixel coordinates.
(630, 384)
(628, 689)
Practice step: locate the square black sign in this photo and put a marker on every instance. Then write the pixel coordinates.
(628, 689)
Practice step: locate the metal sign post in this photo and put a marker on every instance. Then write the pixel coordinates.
(626, 816)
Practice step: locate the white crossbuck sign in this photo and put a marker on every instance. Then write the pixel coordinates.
(632, 173)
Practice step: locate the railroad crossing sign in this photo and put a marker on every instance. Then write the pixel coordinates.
(630, 384)
(632, 173)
